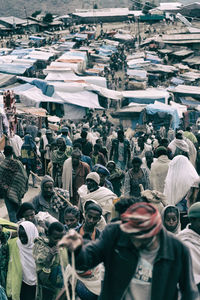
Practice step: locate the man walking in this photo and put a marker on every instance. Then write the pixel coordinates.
(13, 182)
(142, 261)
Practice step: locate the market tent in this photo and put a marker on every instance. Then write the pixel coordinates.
(83, 99)
(152, 109)
(15, 69)
(186, 90)
(6, 80)
(70, 76)
(48, 88)
(146, 96)
(30, 95)
(40, 55)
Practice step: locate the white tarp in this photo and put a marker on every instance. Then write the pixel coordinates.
(186, 89)
(74, 112)
(40, 55)
(70, 76)
(84, 99)
(148, 93)
(179, 107)
(33, 97)
(71, 87)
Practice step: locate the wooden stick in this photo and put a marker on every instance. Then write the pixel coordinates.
(59, 195)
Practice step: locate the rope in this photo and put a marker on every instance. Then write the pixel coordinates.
(65, 277)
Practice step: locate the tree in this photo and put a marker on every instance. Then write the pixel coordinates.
(95, 6)
(36, 13)
(48, 18)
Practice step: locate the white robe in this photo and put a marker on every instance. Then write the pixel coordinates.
(192, 240)
(158, 173)
(103, 196)
(180, 177)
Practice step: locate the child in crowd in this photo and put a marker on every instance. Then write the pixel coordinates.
(72, 218)
(171, 219)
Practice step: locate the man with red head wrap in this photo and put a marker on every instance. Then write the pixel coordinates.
(142, 260)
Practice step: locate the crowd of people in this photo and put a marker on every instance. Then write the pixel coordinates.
(116, 215)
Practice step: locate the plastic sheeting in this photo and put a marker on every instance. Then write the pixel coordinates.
(74, 112)
(154, 108)
(146, 96)
(83, 99)
(15, 69)
(70, 76)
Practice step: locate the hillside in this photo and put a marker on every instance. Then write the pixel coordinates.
(61, 7)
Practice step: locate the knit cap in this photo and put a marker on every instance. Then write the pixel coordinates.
(94, 176)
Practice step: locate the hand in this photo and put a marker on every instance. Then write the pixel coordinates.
(72, 240)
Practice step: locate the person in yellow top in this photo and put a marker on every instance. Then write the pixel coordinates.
(189, 135)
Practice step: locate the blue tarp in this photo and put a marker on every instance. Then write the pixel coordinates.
(80, 36)
(36, 38)
(145, 100)
(154, 108)
(41, 84)
(177, 81)
(15, 69)
(21, 52)
(153, 59)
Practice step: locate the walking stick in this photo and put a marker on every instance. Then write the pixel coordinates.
(59, 195)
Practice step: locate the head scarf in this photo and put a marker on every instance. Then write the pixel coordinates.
(194, 211)
(94, 206)
(180, 177)
(163, 214)
(64, 129)
(141, 219)
(26, 253)
(28, 142)
(111, 162)
(24, 207)
(101, 170)
(45, 179)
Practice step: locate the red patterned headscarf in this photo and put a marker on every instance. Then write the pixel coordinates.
(141, 219)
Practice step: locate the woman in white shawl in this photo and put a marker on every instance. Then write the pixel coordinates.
(27, 233)
(180, 177)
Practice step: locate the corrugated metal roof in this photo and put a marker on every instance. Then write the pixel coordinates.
(181, 37)
(182, 52)
(192, 61)
(13, 20)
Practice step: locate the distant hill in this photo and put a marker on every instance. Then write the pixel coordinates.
(56, 7)
(60, 7)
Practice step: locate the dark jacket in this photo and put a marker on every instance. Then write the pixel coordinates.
(114, 248)
(114, 152)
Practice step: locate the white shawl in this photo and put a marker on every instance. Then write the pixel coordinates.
(181, 144)
(192, 240)
(67, 176)
(180, 177)
(103, 196)
(26, 253)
